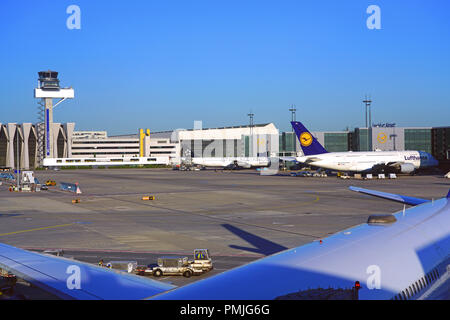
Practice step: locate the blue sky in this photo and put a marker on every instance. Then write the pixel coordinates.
(163, 64)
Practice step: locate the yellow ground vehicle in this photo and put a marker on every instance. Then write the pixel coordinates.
(50, 183)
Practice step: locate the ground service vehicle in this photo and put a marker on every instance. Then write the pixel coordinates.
(202, 260)
(171, 266)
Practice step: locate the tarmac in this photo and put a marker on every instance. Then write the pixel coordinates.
(240, 216)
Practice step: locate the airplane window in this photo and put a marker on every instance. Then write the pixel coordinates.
(437, 273)
(404, 295)
(419, 285)
(408, 293)
(423, 282)
(414, 289)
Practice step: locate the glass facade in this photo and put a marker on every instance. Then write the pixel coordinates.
(247, 146)
(363, 141)
(287, 143)
(441, 143)
(336, 141)
(418, 139)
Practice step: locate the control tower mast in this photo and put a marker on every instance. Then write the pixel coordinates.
(47, 90)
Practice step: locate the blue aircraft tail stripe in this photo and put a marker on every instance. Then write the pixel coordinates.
(309, 144)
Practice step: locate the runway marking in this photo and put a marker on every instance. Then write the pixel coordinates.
(36, 229)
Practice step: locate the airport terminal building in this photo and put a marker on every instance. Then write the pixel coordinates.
(263, 140)
(74, 147)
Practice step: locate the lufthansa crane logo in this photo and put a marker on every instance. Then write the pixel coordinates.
(306, 139)
(382, 137)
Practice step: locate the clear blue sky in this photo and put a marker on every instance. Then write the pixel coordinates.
(163, 64)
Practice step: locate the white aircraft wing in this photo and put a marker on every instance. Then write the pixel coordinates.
(307, 160)
(70, 279)
(289, 159)
(390, 196)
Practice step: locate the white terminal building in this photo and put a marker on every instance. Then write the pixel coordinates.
(169, 147)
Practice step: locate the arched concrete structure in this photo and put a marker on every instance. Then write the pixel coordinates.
(28, 144)
(3, 145)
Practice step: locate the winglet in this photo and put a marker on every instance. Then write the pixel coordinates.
(390, 196)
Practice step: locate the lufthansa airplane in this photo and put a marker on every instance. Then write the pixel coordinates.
(399, 256)
(371, 161)
(243, 162)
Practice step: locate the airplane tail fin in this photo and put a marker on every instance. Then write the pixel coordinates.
(309, 144)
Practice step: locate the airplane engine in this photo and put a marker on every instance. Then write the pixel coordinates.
(407, 168)
(243, 164)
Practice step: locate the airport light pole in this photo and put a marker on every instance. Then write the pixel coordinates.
(367, 103)
(293, 109)
(251, 133)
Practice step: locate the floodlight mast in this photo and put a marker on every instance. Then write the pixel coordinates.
(367, 102)
(251, 115)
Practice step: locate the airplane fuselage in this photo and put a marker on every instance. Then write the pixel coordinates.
(246, 162)
(367, 161)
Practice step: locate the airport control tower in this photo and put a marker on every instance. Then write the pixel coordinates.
(47, 90)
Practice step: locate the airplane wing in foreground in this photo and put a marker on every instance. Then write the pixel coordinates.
(390, 196)
(70, 279)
